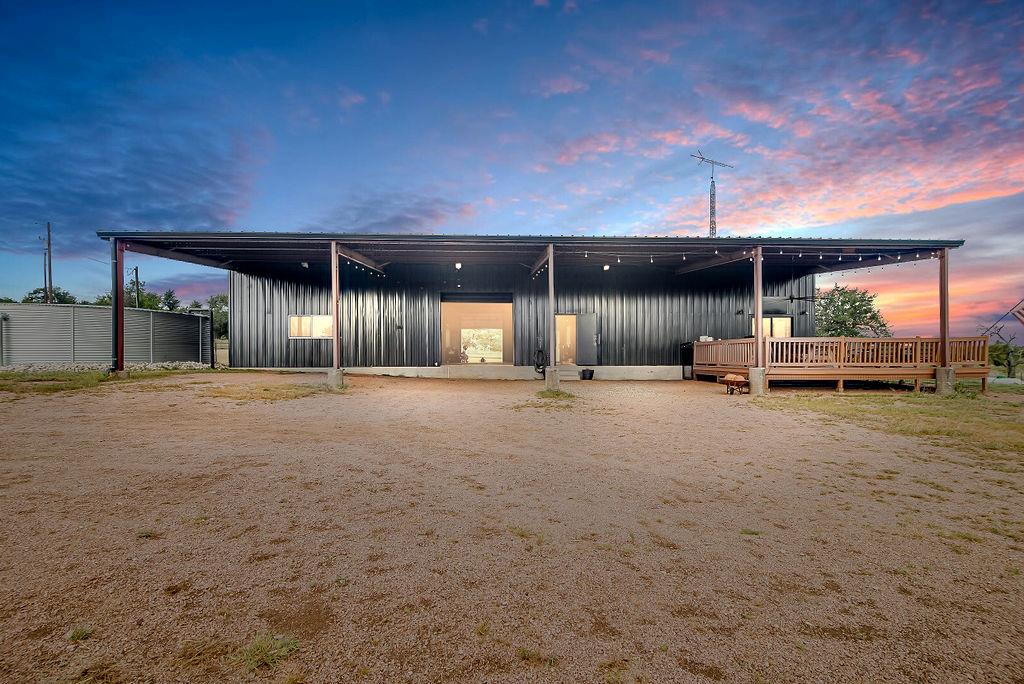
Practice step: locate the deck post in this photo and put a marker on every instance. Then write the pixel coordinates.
(945, 376)
(335, 376)
(758, 374)
(551, 372)
(116, 306)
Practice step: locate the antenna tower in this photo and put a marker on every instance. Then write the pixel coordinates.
(701, 159)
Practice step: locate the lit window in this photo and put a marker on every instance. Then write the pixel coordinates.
(310, 327)
(774, 326)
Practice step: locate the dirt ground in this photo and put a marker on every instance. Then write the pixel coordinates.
(431, 531)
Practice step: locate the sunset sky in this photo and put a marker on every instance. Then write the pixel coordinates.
(896, 120)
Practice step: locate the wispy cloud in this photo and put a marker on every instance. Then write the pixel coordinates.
(396, 212)
(562, 85)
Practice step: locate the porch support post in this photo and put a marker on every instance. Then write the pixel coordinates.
(551, 373)
(335, 376)
(758, 374)
(945, 376)
(116, 306)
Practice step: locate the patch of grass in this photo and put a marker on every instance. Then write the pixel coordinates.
(526, 535)
(147, 534)
(533, 657)
(267, 650)
(990, 425)
(207, 654)
(483, 629)
(614, 671)
(750, 532)
(53, 382)
(270, 392)
(80, 633)
(560, 395)
(103, 672)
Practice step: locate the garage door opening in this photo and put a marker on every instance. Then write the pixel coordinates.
(476, 332)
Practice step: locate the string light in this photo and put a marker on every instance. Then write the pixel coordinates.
(606, 267)
(684, 257)
(618, 260)
(586, 255)
(652, 258)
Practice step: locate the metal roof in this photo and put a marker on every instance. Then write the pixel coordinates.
(255, 250)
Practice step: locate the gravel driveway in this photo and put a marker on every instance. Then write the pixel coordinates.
(428, 531)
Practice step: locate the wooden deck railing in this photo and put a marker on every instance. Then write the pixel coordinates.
(728, 353)
(843, 352)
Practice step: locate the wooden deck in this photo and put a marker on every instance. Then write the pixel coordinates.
(844, 358)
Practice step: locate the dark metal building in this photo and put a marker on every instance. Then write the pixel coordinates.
(635, 301)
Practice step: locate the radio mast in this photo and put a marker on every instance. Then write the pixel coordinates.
(712, 227)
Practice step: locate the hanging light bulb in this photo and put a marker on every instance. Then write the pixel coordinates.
(618, 260)
(606, 267)
(860, 258)
(716, 251)
(840, 257)
(819, 256)
(652, 258)
(800, 255)
(898, 257)
(879, 257)
(586, 255)
(918, 255)
(684, 257)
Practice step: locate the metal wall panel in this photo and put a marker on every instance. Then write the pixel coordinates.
(65, 333)
(643, 315)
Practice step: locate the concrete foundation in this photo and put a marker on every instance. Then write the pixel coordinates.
(551, 378)
(335, 378)
(480, 371)
(757, 382)
(945, 380)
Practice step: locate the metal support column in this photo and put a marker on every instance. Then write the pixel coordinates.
(945, 376)
(116, 306)
(758, 376)
(551, 374)
(335, 377)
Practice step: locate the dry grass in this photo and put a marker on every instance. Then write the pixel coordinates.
(991, 425)
(53, 382)
(559, 395)
(270, 392)
(267, 650)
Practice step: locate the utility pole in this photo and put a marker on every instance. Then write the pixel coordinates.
(49, 263)
(138, 298)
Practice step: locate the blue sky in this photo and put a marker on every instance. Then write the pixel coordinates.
(883, 120)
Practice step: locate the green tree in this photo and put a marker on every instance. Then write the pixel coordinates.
(38, 296)
(147, 300)
(169, 300)
(218, 304)
(849, 312)
(195, 304)
(6, 300)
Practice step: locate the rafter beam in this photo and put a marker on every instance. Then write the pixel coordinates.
(539, 263)
(720, 260)
(353, 255)
(139, 248)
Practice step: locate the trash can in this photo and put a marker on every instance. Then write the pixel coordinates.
(686, 359)
(587, 374)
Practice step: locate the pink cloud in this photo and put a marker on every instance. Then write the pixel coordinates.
(562, 85)
(657, 56)
(348, 98)
(588, 146)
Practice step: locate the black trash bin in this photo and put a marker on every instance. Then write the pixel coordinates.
(686, 359)
(587, 374)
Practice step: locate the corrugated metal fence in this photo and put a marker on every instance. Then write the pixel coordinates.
(75, 333)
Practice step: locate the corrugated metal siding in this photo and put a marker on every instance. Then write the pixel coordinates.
(643, 316)
(54, 333)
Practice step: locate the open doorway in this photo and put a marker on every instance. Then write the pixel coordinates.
(565, 350)
(476, 332)
(577, 339)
